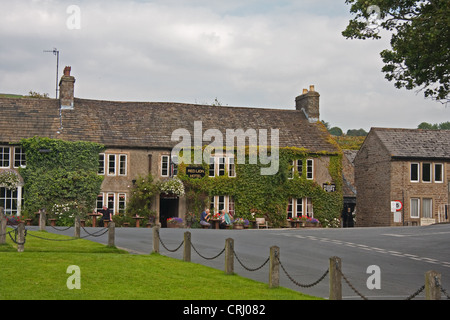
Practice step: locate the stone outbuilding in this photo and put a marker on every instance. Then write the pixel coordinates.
(402, 177)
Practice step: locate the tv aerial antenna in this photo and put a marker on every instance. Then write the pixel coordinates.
(56, 53)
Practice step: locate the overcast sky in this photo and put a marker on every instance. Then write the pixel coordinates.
(246, 53)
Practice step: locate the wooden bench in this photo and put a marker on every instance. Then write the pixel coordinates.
(261, 222)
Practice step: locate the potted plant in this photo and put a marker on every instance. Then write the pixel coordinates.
(239, 223)
(174, 222)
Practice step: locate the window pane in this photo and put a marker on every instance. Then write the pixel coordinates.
(289, 209)
(426, 172)
(309, 169)
(300, 167)
(164, 166)
(299, 207)
(231, 170)
(122, 165)
(101, 163)
(414, 208)
(427, 208)
(221, 166)
(414, 172)
(111, 164)
(4, 157)
(19, 157)
(438, 176)
(212, 167)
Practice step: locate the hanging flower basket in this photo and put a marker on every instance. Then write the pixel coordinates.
(9, 180)
(173, 186)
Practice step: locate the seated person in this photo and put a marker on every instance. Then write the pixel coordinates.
(204, 218)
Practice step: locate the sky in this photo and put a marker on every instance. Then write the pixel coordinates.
(246, 53)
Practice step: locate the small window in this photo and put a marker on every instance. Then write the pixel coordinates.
(111, 164)
(310, 169)
(438, 172)
(212, 167)
(291, 170)
(19, 157)
(122, 202)
(221, 161)
(99, 205)
(4, 157)
(414, 172)
(300, 167)
(101, 163)
(174, 166)
(164, 166)
(122, 165)
(426, 172)
(231, 167)
(111, 203)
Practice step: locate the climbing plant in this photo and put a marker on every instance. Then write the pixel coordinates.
(59, 173)
(268, 194)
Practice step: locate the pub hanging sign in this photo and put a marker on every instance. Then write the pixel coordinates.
(329, 187)
(195, 172)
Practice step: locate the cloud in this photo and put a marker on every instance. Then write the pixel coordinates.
(257, 53)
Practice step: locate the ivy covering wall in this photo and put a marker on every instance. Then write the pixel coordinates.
(60, 174)
(269, 195)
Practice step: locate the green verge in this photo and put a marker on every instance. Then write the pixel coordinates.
(40, 272)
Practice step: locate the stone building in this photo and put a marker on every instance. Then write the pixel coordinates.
(138, 140)
(410, 168)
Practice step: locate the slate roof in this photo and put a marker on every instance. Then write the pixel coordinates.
(150, 124)
(415, 143)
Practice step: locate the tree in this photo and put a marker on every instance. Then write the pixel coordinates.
(420, 41)
(336, 131)
(429, 126)
(357, 132)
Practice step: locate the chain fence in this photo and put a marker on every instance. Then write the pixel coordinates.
(291, 278)
(13, 235)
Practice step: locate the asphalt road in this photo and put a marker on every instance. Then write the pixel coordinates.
(403, 255)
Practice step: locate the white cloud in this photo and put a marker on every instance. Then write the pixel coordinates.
(245, 53)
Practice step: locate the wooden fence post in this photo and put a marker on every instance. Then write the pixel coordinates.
(432, 290)
(21, 237)
(229, 256)
(335, 278)
(274, 267)
(3, 222)
(77, 227)
(187, 247)
(111, 234)
(156, 239)
(42, 220)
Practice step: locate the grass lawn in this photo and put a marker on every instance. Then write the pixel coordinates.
(112, 274)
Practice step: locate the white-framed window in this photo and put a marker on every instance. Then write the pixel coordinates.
(122, 202)
(414, 172)
(174, 166)
(122, 164)
(300, 207)
(11, 201)
(5, 156)
(99, 203)
(111, 203)
(218, 203)
(231, 167)
(415, 208)
(219, 165)
(296, 165)
(438, 173)
(426, 172)
(19, 158)
(111, 165)
(165, 163)
(310, 169)
(427, 208)
(101, 164)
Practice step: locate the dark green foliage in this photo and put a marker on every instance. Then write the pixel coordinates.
(60, 172)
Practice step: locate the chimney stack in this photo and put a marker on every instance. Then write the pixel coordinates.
(308, 102)
(66, 89)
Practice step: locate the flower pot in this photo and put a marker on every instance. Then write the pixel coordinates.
(238, 226)
(173, 225)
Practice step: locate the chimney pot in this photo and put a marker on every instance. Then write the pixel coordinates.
(311, 88)
(67, 71)
(305, 91)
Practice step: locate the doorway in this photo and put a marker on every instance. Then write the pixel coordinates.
(168, 208)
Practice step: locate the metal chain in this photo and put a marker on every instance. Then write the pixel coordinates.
(418, 291)
(62, 229)
(95, 233)
(212, 258)
(348, 282)
(247, 268)
(299, 284)
(160, 240)
(438, 284)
